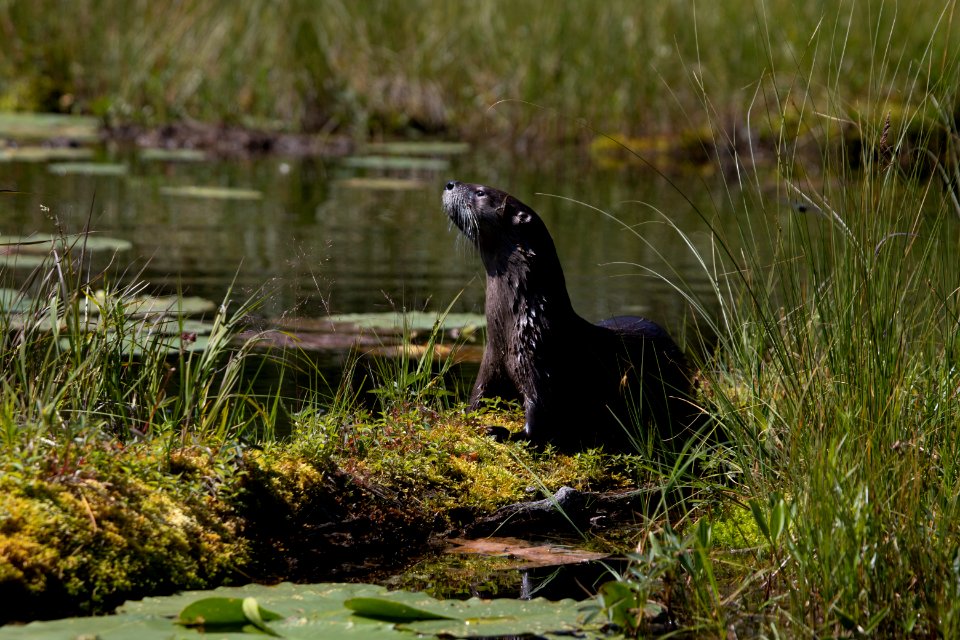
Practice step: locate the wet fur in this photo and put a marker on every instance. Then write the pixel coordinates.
(581, 384)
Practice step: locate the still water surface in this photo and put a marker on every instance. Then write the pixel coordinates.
(319, 245)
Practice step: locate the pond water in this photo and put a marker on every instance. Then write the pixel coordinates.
(320, 240)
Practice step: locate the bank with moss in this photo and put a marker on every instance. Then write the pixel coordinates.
(122, 522)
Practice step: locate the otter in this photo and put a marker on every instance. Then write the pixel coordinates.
(581, 384)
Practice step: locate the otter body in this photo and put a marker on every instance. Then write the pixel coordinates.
(581, 384)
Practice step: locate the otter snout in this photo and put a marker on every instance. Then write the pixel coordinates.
(456, 203)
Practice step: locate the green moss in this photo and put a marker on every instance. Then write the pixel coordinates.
(104, 533)
(735, 528)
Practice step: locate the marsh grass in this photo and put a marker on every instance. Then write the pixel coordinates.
(81, 368)
(833, 372)
(370, 67)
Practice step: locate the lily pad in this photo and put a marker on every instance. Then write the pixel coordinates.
(331, 611)
(432, 148)
(411, 320)
(503, 617)
(44, 126)
(152, 305)
(42, 243)
(405, 163)
(44, 154)
(212, 193)
(87, 169)
(28, 252)
(382, 184)
(172, 155)
(13, 301)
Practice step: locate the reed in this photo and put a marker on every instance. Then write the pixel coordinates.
(372, 67)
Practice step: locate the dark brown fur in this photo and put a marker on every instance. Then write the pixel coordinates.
(581, 384)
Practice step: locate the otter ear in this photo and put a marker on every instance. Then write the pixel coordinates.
(522, 216)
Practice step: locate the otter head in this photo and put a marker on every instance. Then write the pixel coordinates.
(502, 228)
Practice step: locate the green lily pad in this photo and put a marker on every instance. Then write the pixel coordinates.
(314, 611)
(13, 301)
(29, 252)
(411, 320)
(42, 243)
(382, 184)
(434, 148)
(152, 305)
(212, 193)
(172, 155)
(503, 617)
(44, 154)
(87, 169)
(44, 126)
(405, 163)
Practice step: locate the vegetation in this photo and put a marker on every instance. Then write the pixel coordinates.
(831, 364)
(132, 463)
(829, 360)
(373, 67)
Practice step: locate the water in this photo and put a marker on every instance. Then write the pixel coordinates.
(318, 245)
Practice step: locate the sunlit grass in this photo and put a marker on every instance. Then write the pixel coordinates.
(831, 364)
(370, 68)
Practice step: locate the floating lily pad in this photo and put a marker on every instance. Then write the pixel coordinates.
(87, 169)
(434, 148)
(153, 305)
(42, 243)
(29, 252)
(44, 154)
(172, 155)
(13, 301)
(382, 184)
(412, 320)
(44, 126)
(331, 611)
(405, 163)
(213, 193)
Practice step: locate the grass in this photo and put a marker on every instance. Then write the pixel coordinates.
(371, 68)
(131, 464)
(832, 366)
(830, 340)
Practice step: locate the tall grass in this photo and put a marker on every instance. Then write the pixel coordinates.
(834, 369)
(81, 369)
(371, 67)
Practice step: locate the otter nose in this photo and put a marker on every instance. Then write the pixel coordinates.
(452, 185)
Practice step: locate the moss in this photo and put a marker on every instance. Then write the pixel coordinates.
(735, 528)
(121, 522)
(87, 542)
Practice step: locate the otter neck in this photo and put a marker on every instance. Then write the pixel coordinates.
(525, 290)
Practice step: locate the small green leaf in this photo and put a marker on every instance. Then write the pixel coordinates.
(256, 615)
(778, 519)
(211, 612)
(760, 518)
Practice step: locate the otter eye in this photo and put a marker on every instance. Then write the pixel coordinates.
(480, 193)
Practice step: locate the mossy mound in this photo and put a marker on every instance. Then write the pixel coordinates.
(109, 530)
(345, 494)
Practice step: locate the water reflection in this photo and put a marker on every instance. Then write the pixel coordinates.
(318, 244)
